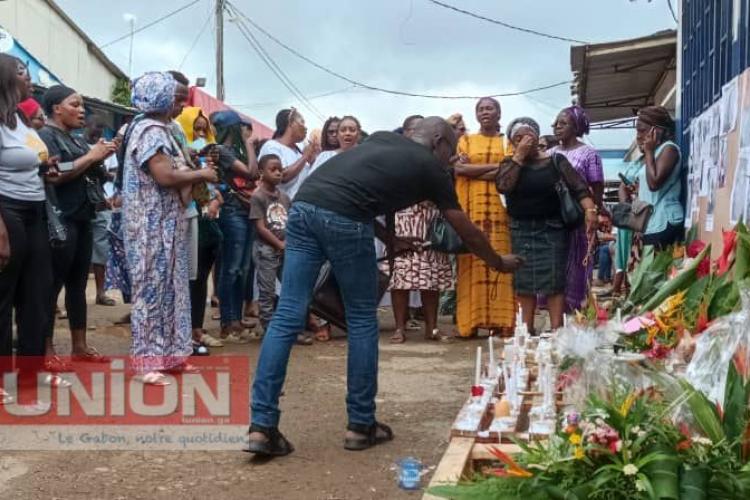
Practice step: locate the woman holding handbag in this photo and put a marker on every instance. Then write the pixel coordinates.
(545, 197)
(657, 180)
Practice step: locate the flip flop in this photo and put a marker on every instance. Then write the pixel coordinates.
(105, 301)
(91, 356)
(154, 378)
(398, 337)
(55, 364)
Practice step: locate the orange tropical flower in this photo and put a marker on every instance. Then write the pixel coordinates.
(513, 469)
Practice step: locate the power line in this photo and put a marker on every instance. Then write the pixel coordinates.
(275, 68)
(380, 89)
(671, 10)
(195, 41)
(277, 103)
(152, 23)
(504, 24)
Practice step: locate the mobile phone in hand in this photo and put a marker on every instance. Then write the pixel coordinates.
(624, 179)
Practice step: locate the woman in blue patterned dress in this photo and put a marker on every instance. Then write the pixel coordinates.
(156, 189)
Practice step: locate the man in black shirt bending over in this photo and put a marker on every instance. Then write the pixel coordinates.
(332, 218)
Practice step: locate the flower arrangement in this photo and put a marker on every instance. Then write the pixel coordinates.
(666, 443)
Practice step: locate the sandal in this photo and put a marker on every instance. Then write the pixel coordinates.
(439, 336)
(303, 339)
(90, 356)
(154, 378)
(234, 338)
(105, 301)
(275, 444)
(182, 368)
(371, 435)
(210, 341)
(398, 337)
(323, 333)
(55, 364)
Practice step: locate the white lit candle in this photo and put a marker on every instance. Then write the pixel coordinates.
(478, 368)
(491, 364)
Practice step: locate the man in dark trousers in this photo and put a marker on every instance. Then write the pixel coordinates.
(332, 218)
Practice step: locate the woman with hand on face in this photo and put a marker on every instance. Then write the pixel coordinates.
(78, 193)
(155, 180)
(657, 178)
(479, 305)
(570, 126)
(537, 231)
(25, 262)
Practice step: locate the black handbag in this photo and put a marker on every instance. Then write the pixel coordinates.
(56, 229)
(443, 238)
(571, 212)
(326, 300)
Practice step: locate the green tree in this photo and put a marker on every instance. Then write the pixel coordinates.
(121, 92)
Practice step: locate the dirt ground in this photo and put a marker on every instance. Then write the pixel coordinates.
(421, 388)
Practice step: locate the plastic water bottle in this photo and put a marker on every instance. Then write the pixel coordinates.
(410, 474)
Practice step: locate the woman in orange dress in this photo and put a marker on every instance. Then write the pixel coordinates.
(485, 299)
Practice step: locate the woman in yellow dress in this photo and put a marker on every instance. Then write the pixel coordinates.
(485, 300)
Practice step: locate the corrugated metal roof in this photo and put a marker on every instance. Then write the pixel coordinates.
(611, 79)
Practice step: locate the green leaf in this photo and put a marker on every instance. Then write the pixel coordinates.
(724, 300)
(736, 398)
(704, 412)
(742, 253)
(694, 483)
(684, 279)
(693, 299)
(664, 478)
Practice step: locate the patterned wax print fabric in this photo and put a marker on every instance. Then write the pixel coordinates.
(477, 305)
(156, 253)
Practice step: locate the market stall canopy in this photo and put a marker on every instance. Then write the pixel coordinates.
(612, 79)
(209, 104)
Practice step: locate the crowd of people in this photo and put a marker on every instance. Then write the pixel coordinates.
(177, 195)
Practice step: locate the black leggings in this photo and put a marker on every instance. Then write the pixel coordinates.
(24, 284)
(70, 264)
(669, 236)
(199, 287)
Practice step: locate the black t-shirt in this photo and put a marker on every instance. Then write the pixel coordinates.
(387, 173)
(71, 196)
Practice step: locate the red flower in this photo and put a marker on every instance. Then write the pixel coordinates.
(725, 259)
(657, 351)
(702, 323)
(695, 248)
(683, 445)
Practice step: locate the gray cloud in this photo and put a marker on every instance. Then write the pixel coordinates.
(403, 44)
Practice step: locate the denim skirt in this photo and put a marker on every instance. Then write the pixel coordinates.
(543, 243)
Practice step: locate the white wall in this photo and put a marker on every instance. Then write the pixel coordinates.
(57, 46)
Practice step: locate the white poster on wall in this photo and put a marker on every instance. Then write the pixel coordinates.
(729, 106)
(739, 197)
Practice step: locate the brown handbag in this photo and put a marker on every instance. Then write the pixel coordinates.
(326, 300)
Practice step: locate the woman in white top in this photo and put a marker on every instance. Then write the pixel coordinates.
(290, 131)
(348, 135)
(25, 261)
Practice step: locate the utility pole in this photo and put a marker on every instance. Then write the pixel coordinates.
(219, 15)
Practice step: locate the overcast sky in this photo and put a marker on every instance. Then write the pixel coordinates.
(409, 45)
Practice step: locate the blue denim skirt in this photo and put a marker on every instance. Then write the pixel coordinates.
(544, 244)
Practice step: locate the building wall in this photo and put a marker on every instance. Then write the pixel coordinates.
(57, 45)
(715, 48)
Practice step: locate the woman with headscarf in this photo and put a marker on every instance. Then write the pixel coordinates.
(156, 187)
(485, 299)
(77, 195)
(657, 177)
(570, 126)
(199, 134)
(33, 113)
(238, 168)
(25, 262)
(527, 179)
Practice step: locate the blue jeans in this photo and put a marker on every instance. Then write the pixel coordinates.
(314, 235)
(605, 263)
(236, 252)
